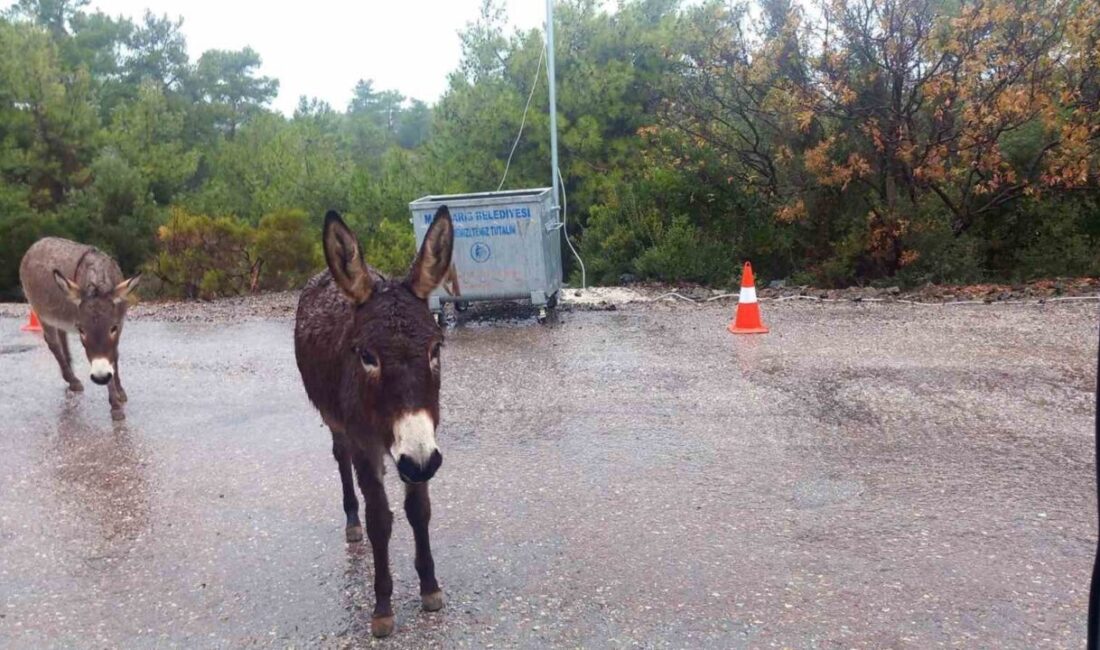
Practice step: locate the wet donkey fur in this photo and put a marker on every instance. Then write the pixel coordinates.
(368, 351)
(76, 288)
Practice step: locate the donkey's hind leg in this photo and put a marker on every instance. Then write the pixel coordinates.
(354, 529)
(58, 342)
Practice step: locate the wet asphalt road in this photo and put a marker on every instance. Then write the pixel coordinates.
(863, 477)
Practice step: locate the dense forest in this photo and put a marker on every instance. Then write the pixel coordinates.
(837, 142)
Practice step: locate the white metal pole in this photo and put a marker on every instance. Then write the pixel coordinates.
(552, 82)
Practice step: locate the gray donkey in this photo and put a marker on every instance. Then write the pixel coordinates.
(78, 288)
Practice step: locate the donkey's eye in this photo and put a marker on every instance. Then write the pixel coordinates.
(114, 330)
(368, 358)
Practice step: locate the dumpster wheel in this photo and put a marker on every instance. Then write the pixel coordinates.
(548, 308)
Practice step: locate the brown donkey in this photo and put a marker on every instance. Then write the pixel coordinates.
(78, 288)
(368, 351)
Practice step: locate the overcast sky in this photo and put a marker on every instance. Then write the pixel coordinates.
(320, 48)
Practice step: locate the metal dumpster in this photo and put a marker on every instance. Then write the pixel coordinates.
(507, 246)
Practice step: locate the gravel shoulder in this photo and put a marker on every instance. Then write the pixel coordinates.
(282, 305)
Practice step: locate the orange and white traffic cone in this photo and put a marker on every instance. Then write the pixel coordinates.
(746, 319)
(32, 324)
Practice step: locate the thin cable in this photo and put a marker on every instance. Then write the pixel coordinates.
(523, 122)
(895, 301)
(564, 223)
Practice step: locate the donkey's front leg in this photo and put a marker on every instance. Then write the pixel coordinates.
(118, 383)
(58, 343)
(379, 526)
(116, 403)
(114, 396)
(418, 509)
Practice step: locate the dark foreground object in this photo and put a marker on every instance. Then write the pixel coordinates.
(1094, 586)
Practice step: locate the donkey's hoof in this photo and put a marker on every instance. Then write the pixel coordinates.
(432, 602)
(118, 415)
(354, 533)
(76, 387)
(381, 626)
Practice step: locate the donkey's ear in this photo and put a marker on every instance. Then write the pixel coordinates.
(344, 260)
(433, 262)
(123, 289)
(72, 291)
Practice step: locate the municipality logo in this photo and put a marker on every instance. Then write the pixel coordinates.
(480, 252)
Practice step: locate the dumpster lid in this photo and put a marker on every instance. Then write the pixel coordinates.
(480, 196)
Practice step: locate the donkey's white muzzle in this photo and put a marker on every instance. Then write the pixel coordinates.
(414, 449)
(102, 371)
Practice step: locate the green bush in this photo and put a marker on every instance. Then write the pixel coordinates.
(681, 252)
(287, 248)
(390, 247)
(1059, 238)
(204, 257)
(609, 245)
(941, 257)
